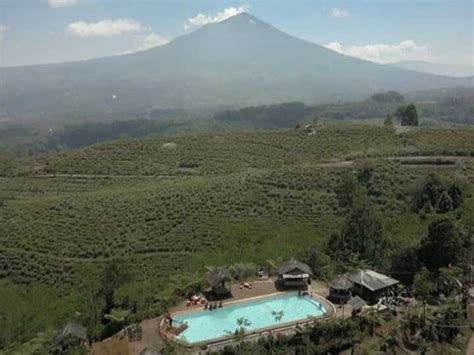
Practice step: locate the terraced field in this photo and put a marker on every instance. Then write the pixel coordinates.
(180, 203)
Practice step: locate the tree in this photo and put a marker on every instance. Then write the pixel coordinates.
(424, 286)
(434, 195)
(364, 174)
(242, 325)
(405, 266)
(278, 315)
(442, 247)
(362, 234)
(399, 112)
(444, 204)
(241, 271)
(456, 194)
(388, 121)
(429, 192)
(448, 279)
(318, 261)
(410, 116)
(348, 190)
(389, 96)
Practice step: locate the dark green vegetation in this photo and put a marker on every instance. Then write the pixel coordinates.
(449, 107)
(240, 62)
(132, 224)
(409, 117)
(372, 333)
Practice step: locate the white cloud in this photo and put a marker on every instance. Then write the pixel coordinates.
(103, 28)
(62, 3)
(202, 19)
(147, 41)
(384, 53)
(337, 12)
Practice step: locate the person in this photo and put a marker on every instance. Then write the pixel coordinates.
(220, 304)
(206, 306)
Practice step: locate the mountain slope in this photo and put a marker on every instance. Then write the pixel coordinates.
(434, 68)
(241, 61)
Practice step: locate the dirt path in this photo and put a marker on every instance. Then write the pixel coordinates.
(415, 160)
(104, 176)
(470, 345)
(426, 160)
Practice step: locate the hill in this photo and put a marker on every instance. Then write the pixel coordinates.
(179, 197)
(241, 61)
(435, 68)
(155, 212)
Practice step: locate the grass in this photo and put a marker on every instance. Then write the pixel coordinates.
(252, 196)
(167, 211)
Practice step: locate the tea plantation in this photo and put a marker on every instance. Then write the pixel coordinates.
(171, 205)
(161, 202)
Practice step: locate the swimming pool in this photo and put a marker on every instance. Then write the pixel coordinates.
(207, 325)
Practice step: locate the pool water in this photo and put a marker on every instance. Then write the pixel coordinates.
(206, 325)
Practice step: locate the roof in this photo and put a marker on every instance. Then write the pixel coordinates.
(372, 280)
(341, 282)
(357, 302)
(71, 329)
(294, 264)
(217, 276)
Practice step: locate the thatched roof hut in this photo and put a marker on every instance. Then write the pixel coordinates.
(217, 280)
(294, 273)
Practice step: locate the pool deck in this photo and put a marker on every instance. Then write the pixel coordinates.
(260, 289)
(119, 344)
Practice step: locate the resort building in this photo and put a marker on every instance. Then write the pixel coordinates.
(217, 279)
(340, 289)
(294, 273)
(367, 284)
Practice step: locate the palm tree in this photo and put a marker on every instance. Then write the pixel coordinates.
(272, 265)
(241, 271)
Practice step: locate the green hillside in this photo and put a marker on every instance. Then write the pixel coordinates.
(176, 197)
(169, 206)
(225, 153)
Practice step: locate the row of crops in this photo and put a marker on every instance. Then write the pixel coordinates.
(51, 226)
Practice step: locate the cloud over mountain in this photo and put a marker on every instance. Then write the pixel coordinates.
(203, 19)
(383, 53)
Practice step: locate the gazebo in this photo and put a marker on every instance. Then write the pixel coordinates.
(217, 280)
(294, 273)
(340, 289)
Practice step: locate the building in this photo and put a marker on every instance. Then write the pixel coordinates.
(294, 273)
(217, 279)
(367, 284)
(340, 289)
(72, 334)
(371, 285)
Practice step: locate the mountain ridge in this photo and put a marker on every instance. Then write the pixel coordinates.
(241, 61)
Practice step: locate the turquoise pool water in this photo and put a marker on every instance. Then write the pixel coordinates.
(207, 325)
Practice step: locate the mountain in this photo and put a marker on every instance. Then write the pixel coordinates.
(435, 68)
(241, 61)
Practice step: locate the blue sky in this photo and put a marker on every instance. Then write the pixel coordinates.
(43, 31)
